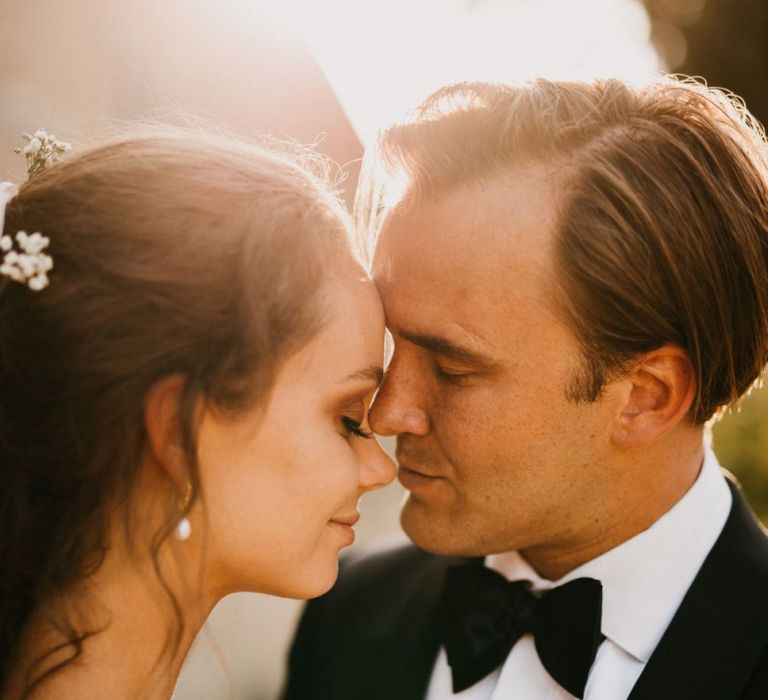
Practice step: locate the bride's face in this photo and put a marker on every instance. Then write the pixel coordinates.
(281, 484)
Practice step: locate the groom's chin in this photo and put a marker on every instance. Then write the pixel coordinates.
(437, 530)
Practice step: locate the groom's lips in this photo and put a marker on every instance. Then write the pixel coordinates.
(414, 479)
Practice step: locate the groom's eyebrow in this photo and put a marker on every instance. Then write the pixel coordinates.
(449, 348)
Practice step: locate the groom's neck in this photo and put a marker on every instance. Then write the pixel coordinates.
(644, 486)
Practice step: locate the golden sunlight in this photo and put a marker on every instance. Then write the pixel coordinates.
(382, 58)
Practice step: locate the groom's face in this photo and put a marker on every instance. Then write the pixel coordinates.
(492, 453)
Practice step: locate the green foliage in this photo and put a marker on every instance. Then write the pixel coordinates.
(741, 445)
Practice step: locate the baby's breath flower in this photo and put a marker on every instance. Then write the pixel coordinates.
(35, 243)
(12, 272)
(33, 146)
(38, 282)
(41, 150)
(30, 265)
(45, 263)
(24, 261)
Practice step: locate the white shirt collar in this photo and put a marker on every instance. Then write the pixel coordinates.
(646, 578)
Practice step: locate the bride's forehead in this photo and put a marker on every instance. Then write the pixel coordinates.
(351, 335)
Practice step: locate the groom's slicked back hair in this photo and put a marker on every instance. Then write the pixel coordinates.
(662, 200)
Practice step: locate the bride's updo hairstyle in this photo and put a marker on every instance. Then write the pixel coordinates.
(174, 254)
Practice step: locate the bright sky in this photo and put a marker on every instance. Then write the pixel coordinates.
(382, 57)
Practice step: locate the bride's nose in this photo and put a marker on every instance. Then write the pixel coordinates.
(376, 468)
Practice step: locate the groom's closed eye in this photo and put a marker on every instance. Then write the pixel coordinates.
(451, 373)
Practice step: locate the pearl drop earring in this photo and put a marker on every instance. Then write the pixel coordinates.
(184, 527)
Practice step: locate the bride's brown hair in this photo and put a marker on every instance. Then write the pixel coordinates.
(174, 254)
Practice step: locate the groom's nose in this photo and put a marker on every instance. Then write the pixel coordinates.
(397, 408)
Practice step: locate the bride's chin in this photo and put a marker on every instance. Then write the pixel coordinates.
(314, 584)
(308, 581)
(319, 572)
(307, 572)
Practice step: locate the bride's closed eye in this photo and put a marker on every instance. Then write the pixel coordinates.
(354, 427)
(352, 406)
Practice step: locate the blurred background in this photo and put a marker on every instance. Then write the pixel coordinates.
(332, 72)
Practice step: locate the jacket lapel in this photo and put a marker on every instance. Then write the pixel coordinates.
(720, 631)
(380, 628)
(414, 658)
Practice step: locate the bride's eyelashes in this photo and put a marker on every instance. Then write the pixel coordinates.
(351, 410)
(353, 427)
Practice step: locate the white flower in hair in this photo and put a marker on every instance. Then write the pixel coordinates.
(28, 265)
(41, 150)
(25, 262)
(33, 146)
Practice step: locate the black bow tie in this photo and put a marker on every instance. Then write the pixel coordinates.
(483, 616)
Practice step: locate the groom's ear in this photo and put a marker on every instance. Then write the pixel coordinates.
(659, 390)
(162, 408)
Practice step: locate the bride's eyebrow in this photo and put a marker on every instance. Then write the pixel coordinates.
(373, 372)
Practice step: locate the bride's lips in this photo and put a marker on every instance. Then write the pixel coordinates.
(343, 525)
(347, 519)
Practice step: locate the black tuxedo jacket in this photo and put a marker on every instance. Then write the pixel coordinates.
(374, 636)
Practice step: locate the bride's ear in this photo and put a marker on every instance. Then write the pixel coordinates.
(162, 405)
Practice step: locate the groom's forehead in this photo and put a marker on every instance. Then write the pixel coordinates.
(499, 212)
(492, 241)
